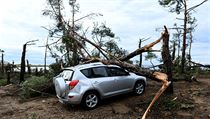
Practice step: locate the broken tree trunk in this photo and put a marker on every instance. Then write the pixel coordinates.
(167, 61)
(22, 67)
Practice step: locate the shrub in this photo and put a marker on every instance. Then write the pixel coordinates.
(3, 82)
(36, 86)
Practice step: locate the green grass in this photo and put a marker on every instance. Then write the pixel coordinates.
(3, 82)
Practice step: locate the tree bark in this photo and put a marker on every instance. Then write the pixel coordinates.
(167, 61)
(174, 51)
(2, 63)
(184, 38)
(45, 57)
(8, 76)
(140, 56)
(191, 40)
(22, 70)
(28, 66)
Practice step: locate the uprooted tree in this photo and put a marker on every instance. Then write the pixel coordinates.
(74, 43)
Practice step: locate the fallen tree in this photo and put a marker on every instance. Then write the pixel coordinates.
(154, 75)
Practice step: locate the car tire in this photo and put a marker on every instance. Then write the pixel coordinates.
(90, 100)
(139, 88)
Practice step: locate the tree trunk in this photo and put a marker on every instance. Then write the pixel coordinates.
(8, 76)
(140, 56)
(28, 66)
(45, 57)
(36, 71)
(174, 51)
(191, 37)
(184, 38)
(2, 63)
(167, 61)
(75, 49)
(22, 70)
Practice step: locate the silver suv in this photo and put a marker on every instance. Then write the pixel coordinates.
(87, 84)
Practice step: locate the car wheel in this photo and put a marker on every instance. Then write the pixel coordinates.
(90, 100)
(139, 88)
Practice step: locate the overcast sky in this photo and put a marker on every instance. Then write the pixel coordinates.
(21, 20)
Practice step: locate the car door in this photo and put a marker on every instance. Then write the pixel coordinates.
(122, 78)
(102, 82)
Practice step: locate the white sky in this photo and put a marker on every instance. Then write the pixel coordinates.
(21, 20)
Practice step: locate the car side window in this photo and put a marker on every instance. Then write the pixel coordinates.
(99, 72)
(95, 72)
(87, 72)
(115, 71)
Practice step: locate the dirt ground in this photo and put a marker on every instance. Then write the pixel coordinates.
(191, 100)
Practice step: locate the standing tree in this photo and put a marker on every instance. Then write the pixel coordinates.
(177, 40)
(112, 48)
(2, 61)
(150, 56)
(101, 35)
(65, 28)
(181, 6)
(29, 67)
(140, 56)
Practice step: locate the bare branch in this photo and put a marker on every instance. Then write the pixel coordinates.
(192, 8)
(96, 46)
(91, 14)
(31, 42)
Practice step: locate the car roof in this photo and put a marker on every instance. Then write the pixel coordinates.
(84, 66)
(89, 65)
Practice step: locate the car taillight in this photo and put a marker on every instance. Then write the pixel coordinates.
(73, 83)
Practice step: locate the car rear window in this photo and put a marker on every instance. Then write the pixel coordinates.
(67, 74)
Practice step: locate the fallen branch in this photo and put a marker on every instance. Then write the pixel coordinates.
(140, 50)
(200, 65)
(157, 95)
